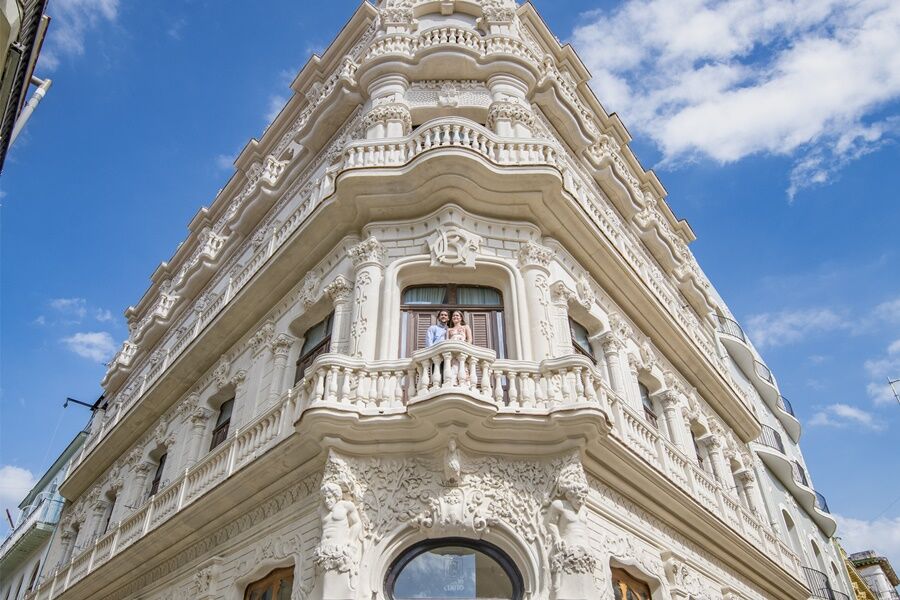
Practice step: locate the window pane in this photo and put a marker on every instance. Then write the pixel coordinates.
(580, 337)
(284, 590)
(425, 295)
(453, 572)
(315, 335)
(477, 296)
(645, 397)
(224, 413)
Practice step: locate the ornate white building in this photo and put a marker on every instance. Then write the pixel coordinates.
(276, 426)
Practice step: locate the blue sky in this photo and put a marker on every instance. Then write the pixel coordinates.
(772, 124)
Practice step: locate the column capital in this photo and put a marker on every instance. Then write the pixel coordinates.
(200, 415)
(670, 399)
(281, 345)
(532, 254)
(367, 252)
(611, 344)
(340, 290)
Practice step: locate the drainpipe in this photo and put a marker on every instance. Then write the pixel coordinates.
(39, 93)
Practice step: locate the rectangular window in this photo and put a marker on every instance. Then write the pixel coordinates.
(580, 340)
(316, 341)
(276, 585)
(154, 485)
(220, 431)
(649, 410)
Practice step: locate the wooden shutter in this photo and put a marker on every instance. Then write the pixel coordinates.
(418, 322)
(482, 325)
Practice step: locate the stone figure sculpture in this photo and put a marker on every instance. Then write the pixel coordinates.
(571, 561)
(338, 552)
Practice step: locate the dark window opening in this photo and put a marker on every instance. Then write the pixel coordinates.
(649, 410)
(220, 431)
(276, 585)
(316, 341)
(482, 309)
(154, 485)
(580, 340)
(626, 587)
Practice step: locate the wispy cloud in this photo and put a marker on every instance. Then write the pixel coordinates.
(224, 162)
(880, 370)
(73, 20)
(74, 308)
(727, 79)
(844, 415)
(176, 28)
(97, 346)
(791, 326)
(104, 315)
(276, 103)
(15, 483)
(881, 535)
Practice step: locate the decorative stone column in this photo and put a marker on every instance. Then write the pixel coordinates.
(509, 114)
(612, 349)
(67, 539)
(559, 311)
(534, 263)
(389, 116)
(340, 291)
(141, 472)
(716, 458)
(281, 349)
(670, 402)
(239, 381)
(199, 419)
(748, 480)
(367, 258)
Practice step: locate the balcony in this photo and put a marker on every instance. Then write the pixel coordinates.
(35, 525)
(735, 341)
(771, 449)
(393, 394)
(819, 585)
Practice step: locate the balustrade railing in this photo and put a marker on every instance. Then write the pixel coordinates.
(821, 503)
(819, 585)
(786, 406)
(730, 327)
(799, 474)
(771, 438)
(763, 372)
(336, 381)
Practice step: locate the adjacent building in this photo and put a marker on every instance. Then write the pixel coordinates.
(289, 419)
(878, 574)
(23, 552)
(23, 26)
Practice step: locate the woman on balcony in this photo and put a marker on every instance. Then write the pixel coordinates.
(459, 332)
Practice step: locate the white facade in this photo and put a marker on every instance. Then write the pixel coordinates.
(602, 426)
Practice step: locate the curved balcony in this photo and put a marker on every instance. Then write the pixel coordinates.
(735, 341)
(770, 448)
(819, 585)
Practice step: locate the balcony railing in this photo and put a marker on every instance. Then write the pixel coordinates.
(799, 474)
(771, 438)
(821, 504)
(341, 383)
(763, 372)
(45, 509)
(730, 327)
(840, 595)
(786, 406)
(818, 583)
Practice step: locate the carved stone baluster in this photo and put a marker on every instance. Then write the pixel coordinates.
(579, 385)
(333, 375)
(448, 368)
(436, 378)
(345, 385)
(513, 389)
(589, 388)
(486, 379)
(379, 391)
(473, 373)
(319, 376)
(390, 382)
(540, 397)
(498, 387)
(424, 377)
(363, 385)
(397, 401)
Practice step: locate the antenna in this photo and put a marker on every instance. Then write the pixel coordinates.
(891, 383)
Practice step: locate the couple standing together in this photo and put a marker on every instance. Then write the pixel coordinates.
(449, 326)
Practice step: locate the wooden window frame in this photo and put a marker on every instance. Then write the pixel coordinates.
(640, 590)
(588, 352)
(496, 334)
(270, 582)
(160, 467)
(306, 358)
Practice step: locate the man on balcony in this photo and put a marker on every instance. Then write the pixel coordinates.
(437, 332)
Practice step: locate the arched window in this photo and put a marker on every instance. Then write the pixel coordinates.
(316, 341)
(580, 340)
(274, 586)
(34, 575)
(454, 568)
(157, 477)
(111, 498)
(482, 308)
(626, 587)
(223, 422)
(649, 409)
(791, 531)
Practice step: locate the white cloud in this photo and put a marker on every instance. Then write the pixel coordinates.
(843, 415)
(790, 326)
(97, 346)
(726, 79)
(15, 483)
(176, 28)
(75, 308)
(881, 369)
(881, 535)
(224, 162)
(104, 315)
(72, 21)
(276, 103)
(889, 311)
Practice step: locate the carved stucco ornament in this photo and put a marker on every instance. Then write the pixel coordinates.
(454, 247)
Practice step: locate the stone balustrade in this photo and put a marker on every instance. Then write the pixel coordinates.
(340, 382)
